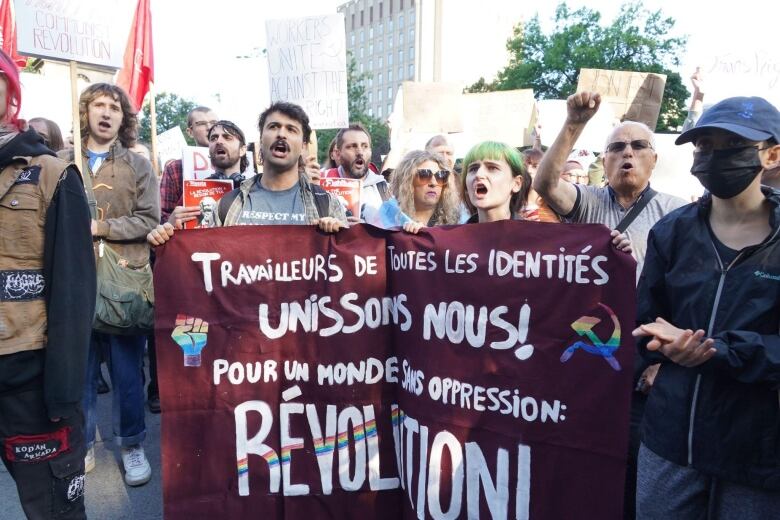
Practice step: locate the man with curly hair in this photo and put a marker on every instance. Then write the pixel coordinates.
(127, 207)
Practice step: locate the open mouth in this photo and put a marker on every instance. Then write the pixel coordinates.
(480, 189)
(360, 162)
(220, 151)
(280, 148)
(626, 166)
(104, 125)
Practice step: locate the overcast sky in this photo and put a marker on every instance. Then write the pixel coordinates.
(197, 43)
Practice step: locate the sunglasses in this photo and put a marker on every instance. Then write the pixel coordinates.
(424, 176)
(619, 146)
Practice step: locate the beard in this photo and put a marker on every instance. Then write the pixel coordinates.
(223, 162)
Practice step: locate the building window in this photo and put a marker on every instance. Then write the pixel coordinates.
(361, 68)
(400, 73)
(401, 38)
(389, 59)
(379, 94)
(401, 21)
(381, 29)
(380, 45)
(370, 49)
(411, 35)
(389, 75)
(379, 111)
(381, 10)
(362, 36)
(361, 52)
(379, 77)
(379, 63)
(362, 19)
(370, 64)
(389, 109)
(390, 42)
(390, 93)
(370, 32)
(370, 96)
(352, 40)
(370, 112)
(353, 21)
(390, 24)
(400, 55)
(411, 71)
(370, 81)
(411, 53)
(371, 14)
(411, 17)
(401, 5)
(391, 7)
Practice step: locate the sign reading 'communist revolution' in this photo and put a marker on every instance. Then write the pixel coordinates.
(469, 371)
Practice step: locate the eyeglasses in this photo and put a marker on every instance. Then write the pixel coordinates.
(424, 176)
(638, 145)
(207, 124)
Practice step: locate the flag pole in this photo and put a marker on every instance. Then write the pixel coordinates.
(153, 122)
(74, 97)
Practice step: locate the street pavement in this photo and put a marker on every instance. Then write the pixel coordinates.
(107, 496)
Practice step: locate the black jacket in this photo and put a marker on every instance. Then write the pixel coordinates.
(723, 417)
(69, 272)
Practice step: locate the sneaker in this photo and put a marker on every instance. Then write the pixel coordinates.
(137, 469)
(89, 460)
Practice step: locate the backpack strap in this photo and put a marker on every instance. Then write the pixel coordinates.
(635, 210)
(225, 202)
(321, 199)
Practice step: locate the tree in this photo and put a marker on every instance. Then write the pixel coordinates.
(171, 111)
(636, 40)
(357, 104)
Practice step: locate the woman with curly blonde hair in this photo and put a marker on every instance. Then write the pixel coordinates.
(426, 190)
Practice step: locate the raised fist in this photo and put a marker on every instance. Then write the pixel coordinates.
(582, 106)
(191, 335)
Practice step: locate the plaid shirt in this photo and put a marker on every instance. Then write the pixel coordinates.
(170, 189)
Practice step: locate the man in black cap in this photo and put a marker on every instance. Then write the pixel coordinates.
(709, 305)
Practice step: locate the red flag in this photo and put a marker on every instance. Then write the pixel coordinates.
(138, 67)
(8, 33)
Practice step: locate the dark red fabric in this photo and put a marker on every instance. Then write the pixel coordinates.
(571, 464)
(8, 28)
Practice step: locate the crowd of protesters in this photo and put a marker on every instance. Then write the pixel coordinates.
(705, 420)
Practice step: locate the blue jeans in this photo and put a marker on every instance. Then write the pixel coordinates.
(124, 358)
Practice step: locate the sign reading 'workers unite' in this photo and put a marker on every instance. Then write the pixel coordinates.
(470, 371)
(307, 65)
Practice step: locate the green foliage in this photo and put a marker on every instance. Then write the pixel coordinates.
(171, 111)
(636, 40)
(358, 112)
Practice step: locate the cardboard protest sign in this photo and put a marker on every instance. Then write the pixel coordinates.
(634, 96)
(195, 162)
(204, 194)
(307, 65)
(346, 190)
(87, 31)
(423, 110)
(170, 145)
(470, 371)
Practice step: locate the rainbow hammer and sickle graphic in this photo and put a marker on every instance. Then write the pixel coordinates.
(584, 327)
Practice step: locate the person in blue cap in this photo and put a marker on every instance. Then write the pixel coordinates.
(709, 313)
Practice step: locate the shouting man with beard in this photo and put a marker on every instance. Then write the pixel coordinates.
(282, 194)
(354, 150)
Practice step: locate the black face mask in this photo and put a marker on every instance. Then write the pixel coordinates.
(726, 173)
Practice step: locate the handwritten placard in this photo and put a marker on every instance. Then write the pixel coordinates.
(87, 31)
(195, 163)
(307, 65)
(634, 96)
(170, 145)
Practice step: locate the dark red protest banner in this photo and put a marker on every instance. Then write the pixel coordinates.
(471, 371)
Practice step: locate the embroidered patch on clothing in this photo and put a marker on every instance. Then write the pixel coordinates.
(22, 284)
(37, 448)
(75, 488)
(31, 175)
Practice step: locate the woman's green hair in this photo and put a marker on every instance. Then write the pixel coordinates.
(496, 151)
